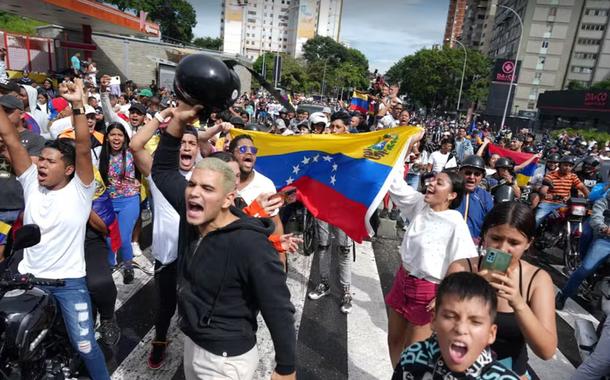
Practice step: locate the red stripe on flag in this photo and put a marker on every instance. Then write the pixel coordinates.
(337, 210)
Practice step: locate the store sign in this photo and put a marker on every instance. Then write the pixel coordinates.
(504, 69)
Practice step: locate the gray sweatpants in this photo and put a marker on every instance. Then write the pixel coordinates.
(597, 365)
(343, 245)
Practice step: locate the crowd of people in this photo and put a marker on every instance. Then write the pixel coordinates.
(84, 157)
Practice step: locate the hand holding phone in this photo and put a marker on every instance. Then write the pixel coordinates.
(496, 260)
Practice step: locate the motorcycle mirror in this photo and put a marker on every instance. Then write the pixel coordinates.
(26, 236)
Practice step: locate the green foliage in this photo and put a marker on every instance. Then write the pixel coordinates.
(603, 85)
(602, 138)
(17, 24)
(432, 77)
(177, 18)
(208, 43)
(576, 85)
(324, 59)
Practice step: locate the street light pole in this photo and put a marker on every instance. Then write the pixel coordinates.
(324, 77)
(457, 107)
(512, 78)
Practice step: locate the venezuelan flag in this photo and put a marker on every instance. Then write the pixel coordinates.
(4, 230)
(341, 178)
(359, 102)
(524, 175)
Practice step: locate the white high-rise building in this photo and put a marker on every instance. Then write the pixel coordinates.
(252, 27)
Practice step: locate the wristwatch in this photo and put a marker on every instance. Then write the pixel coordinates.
(78, 111)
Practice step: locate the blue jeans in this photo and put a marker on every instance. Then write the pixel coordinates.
(127, 210)
(599, 251)
(75, 304)
(585, 238)
(544, 209)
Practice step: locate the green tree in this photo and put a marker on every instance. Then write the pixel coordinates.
(208, 43)
(432, 77)
(575, 85)
(293, 76)
(177, 18)
(603, 85)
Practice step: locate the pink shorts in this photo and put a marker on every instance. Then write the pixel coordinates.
(409, 297)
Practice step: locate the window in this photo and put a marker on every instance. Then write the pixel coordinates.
(582, 69)
(579, 55)
(538, 75)
(596, 27)
(531, 105)
(541, 60)
(545, 44)
(553, 11)
(588, 41)
(549, 27)
(596, 12)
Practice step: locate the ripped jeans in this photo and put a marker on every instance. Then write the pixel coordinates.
(75, 304)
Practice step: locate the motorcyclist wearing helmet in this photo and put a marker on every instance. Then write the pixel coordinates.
(557, 187)
(588, 173)
(505, 174)
(477, 202)
(551, 165)
(318, 122)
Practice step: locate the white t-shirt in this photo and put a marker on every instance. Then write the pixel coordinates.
(259, 184)
(165, 238)
(434, 239)
(62, 217)
(439, 161)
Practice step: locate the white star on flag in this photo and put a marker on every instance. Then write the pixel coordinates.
(327, 158)
(289, 180)
(296, 169)
(315, 158)
(335, 166)
(305, 160)
(332, 180)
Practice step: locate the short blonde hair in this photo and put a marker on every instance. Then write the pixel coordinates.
(219, 166)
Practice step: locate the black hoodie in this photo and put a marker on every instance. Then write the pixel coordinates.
(227, 277)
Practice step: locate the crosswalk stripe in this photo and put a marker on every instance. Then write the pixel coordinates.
(125, 292)
(367, 323)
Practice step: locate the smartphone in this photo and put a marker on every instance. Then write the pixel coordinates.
(496, 260)
(285, 193)
(115, 80)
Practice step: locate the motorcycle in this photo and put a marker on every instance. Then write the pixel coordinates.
(562, 229)
(33, 339)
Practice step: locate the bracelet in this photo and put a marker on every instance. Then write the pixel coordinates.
(159, 117)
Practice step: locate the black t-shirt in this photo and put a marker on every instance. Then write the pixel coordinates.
(589, 179)
(11, 192)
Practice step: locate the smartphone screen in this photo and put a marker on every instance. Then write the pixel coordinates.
(496, 260)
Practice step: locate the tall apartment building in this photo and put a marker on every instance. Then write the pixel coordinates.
(252, 27)
(562, 41)
(455, 20)
(478, 24)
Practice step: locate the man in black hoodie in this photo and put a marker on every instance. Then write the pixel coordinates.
(228, 271)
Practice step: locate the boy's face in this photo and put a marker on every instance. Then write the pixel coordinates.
(464, 328)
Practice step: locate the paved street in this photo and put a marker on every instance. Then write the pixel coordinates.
(330, 345)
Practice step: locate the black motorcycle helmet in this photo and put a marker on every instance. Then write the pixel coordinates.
(503, 194)
(208, 81)
(474, 161)
(504, 162)
(590, 161)
(553, 157)
(568, 160)
(528, 149)
(253, 127)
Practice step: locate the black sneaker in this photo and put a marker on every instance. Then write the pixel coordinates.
(128, 276)
(320, 291)
(383, 213)
(346, 303)
(560, 300)
(109, 331)
(156, 358)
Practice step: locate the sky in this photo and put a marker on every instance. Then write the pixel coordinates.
(385, 31)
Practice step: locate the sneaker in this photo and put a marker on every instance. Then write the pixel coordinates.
(156, 358)
(560, 300)
(320, 291)
(383, 213)
(346, 303)
(128, 276)
(394, 214)
(135, 247)
(109, 331)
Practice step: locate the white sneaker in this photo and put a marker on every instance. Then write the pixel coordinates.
(135, 247)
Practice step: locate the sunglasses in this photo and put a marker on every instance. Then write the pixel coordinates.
(243, 149)
(475, 173)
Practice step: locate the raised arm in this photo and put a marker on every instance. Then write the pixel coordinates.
(143, 159)
(483, 146)
(109, 115)
(527, 162)
(20, 159)
(73, 93)
(203, 137)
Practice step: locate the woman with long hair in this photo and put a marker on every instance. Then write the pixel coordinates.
(436, 236)
(122, 178)
(526, 308)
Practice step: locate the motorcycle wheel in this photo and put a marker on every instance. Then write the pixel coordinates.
(309, 234)
(571, 256)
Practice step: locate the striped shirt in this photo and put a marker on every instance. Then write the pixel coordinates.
(562, 185)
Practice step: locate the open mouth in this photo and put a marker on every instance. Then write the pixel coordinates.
(42, 176)
(248, 161)
(186, 159)
(458, 351)
(194, 210)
